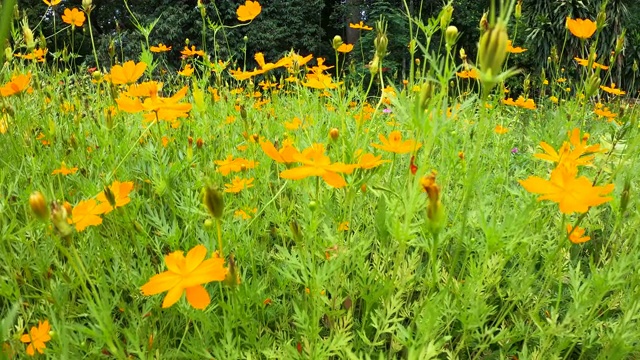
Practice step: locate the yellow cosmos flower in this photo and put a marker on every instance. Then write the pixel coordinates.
(18, 84)
(37, 338)
(64, 170)
(395, 144)
(187, 71)
(514, 50)
(581, 28)
(73, 17)
(360, 26)
(612, 89)
(248, 11)
(316, 163)
(127, 73)
(345, 48)
(160, 48)
(116, 195)
(86, 214)
(577, 236)
(186, 274)
(572, 193)
(238, 184)
(52, 2)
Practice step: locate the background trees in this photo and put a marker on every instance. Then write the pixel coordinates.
(309, 25)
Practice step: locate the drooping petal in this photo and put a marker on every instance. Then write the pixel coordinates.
(160, 283)
(172, 297)
(198, 297)
(334, 179)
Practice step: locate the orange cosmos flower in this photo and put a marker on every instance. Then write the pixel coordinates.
(514, 50)
(157, 108)
(230, 164)
(468, 74)
(285, 155)
(17, 85)
(86, 213)
(238, 184)
(603, 111)
(612, 89)
(499, 129)
(360, 26)
(127, 73)
(248, 11)
(116, 195)
(571, 154)
(187, 71)
(573, 194)
(581, 28)
(64, 170)
(395, 144)
(316, 163)
(160, 48)
(585, 63)
(191, 52)
(577, 236)
(52, 2)
(37, 338)
(370, 161)
(186, 274)
(521, 102)
(345, 48)
(73, 17)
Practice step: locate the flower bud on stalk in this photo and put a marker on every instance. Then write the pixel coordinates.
(592, 85)
(213, 201)
(336, 42)
(87, 6)
(484, 23)
(445, 16)
(601, 19)
(59, 219)
(518, 12)
(620, 42)
(493, 52)
(28, 35)
(426, 93)
(374, 65)
(38, 205)
(381, 41)
(451, 36)
(435, 210)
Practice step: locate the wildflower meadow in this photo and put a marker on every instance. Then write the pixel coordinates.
(246, 205)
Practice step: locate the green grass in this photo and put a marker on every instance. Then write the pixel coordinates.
(501, 279)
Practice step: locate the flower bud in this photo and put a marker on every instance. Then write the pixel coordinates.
(381, 41)
(492, 52)
(445, 16)
(337, 41)
(8, 53)
(518, 12)
(451, 35)
(435, 210)
(59, 220)
(213, 201)
(463, 55)
(233, 275)
(28, 35)
(245, 39)
(624, 198)
(426, 93)
(634, 67)
(87, 6)
(620, 42)
(484, 23)
(601, 19)
(38, 205)
(592, 85)
(334, 133)
(374, 66)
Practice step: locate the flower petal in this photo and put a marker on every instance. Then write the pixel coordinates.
(198, 297)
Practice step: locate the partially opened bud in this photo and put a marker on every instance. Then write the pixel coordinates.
(492, 52)
(484, 22)
(59, 219)
(445, 16)
(38, 205)
(28, 35)
(592, 85)
(435, 210)
(213, 201)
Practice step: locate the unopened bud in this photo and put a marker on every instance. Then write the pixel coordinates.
(336, 42)
(38, 205)
(445, 16)
(334, 133)
(28, 35)
(624, 198)
(374, 65)
(213, 201)
(601, 19)
(59, 219)
(463, 54)
(592, 85)
(620, 41)
(245, 39)
(381, 41)
(426, 93)
(493, 52)
(518, 12)
(233, 276)
(451, 35)
(634, 67)
(87, 6)
(484, 22)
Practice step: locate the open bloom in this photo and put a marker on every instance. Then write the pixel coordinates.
(577, 236)
(157, 108)
(585, 63)
(571, 154)
(395, 144)
(230, 164)
(17, 85)
(360, 26)
(285, 155)
(37, 338)
(572, 193)
(64, 170)
(468, 74)
(370, 161)
(345, 48)
(316, 163)
(116, 195)
(191, 52)
(514, 50)
(87, 213)
(187, 274)
(238, 184)
(73, 17)
(160, 48)
(187, 71)
(52, 2)
(612, 89)
(581, 28)
(127, 73)
(521, 102)
(248, 11)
